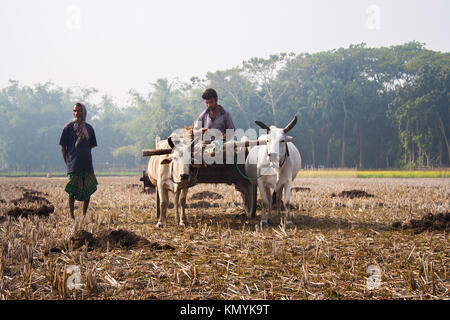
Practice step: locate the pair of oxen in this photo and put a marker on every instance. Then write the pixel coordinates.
(273, 164)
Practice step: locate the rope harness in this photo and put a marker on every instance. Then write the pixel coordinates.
(270, 167)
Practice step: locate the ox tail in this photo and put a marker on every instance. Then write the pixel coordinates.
(274, 201)
(274, 197)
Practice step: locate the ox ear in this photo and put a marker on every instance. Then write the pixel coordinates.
(166, 161)
(262, 125)
(290, 125)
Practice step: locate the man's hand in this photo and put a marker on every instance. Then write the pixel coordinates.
(199, 132)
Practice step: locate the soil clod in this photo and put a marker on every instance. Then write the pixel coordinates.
(353, 194)
(203, 204)
(206, 195)
(43, 211)
(113, 239)
(429, 222)
(297, 189)
(30, 196)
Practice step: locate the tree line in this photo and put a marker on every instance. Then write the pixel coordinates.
(357, 107)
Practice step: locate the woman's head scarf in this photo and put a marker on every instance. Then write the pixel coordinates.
(80, 126)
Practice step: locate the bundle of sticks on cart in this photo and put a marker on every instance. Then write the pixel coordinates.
(230, 145)
(213, 147)
(229, 173)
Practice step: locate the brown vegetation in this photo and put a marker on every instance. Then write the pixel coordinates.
(222, 254)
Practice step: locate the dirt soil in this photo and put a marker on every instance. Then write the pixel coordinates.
(30, 196)
(296, 189)
(113, 239)
(429, 222)
(206, 195)
(353, 194)
(43, 211)
(202, 204)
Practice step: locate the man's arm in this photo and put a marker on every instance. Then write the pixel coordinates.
(93, 139)
(63, 144)
(198, 129)
(229, 125)
(64, 153)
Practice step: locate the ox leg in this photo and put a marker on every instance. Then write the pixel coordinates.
(269, 203)
(183, 220)
(266, 203)
(164, 194)
(287, 196)
(177, 211)
(278, 200)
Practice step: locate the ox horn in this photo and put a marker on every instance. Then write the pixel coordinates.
(290, 125)
(262, 125)
(171, 143)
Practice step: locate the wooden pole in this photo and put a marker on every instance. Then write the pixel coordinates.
(155, 152)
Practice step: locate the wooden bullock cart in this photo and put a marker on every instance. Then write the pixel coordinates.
(215, 173)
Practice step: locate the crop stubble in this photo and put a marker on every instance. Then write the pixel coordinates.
(221, 254)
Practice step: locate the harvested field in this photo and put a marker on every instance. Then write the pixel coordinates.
(223, 254)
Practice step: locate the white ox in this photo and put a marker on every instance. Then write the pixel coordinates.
(170, 172)
(274, 166)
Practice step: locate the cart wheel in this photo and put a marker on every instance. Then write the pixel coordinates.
(157, 203)
(143, 179)
(249, 200)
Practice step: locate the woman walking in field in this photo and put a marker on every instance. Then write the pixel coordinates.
(77, 141)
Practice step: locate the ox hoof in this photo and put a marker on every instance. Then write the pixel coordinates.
(160, 225)
(182, 224)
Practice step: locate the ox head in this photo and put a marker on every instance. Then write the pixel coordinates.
(180, 158)
(276, 139)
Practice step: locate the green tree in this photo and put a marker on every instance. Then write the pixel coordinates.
(421, 109)
(263, 74)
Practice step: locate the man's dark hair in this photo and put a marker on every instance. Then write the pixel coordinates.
(209, 94)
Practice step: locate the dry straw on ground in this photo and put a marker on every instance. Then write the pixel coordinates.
(221, 254)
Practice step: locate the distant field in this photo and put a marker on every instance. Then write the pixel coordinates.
(325, 173)
(63, 174)
(374, 174)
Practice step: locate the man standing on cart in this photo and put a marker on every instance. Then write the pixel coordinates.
(216, 117)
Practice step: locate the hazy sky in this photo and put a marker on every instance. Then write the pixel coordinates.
(115, 46)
